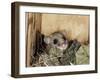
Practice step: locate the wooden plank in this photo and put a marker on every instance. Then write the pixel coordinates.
(33, 28)
(38, 29)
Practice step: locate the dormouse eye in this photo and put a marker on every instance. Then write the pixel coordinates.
(55, 41)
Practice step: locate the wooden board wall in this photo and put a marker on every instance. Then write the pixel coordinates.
(76, 26)
(32, 27)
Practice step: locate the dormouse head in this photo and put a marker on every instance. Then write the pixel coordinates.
(57, 39)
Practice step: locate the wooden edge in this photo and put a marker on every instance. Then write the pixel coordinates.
(55, 5)
(14, 39)
(55, 74)
(96, 39)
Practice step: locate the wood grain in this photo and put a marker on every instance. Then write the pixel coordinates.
(34, 26)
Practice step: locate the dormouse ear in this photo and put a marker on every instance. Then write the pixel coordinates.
(64, 33)
(47, 40)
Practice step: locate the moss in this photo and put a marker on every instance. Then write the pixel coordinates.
(82, 55)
